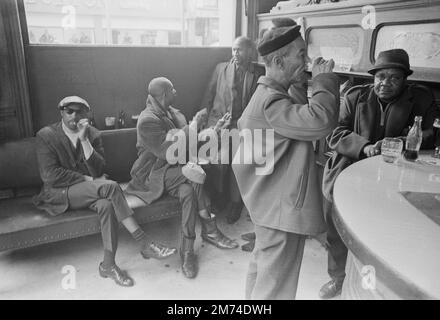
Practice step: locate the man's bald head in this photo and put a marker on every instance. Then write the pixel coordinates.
(159, 86)
(242, 50)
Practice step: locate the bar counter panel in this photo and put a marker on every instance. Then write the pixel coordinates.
(383, 230)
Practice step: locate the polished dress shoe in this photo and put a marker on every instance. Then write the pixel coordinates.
(189, 264)
(156, 251)
(249, 236)
(248, 247)
(331, 289)
(119, 276)
(212, 235)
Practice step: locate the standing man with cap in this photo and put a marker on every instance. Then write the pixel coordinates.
(285, 204)
(368, 114)
(71, 161)
(229, 91)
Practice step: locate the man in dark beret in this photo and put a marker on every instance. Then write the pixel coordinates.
(284, 202)
(370, 113)
(71, 160)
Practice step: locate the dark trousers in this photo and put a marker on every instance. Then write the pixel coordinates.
(192, 197)
(107, 199)
(336, 249)
(275, 264)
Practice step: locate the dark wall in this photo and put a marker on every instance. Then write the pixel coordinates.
(115, 78)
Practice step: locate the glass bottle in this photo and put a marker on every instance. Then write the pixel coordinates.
(414, 140)
(92, 120)
(121, 120)
(436, 127)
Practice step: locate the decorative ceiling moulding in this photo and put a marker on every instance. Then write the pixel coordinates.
(312, 7)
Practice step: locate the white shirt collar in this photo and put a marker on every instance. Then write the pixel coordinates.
(73, 136)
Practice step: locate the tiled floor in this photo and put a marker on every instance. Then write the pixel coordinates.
(37, 273)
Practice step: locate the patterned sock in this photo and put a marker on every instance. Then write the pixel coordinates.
(139, 235)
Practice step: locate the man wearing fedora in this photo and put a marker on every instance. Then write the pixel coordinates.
(71, 160)
(368, 114)
(284, 203)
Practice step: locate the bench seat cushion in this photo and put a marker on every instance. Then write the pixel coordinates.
(22, 225)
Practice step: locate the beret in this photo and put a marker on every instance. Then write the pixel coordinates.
(268, 45)
(194, 172)
(73, 99)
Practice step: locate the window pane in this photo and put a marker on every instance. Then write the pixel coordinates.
(131, 22)
(421, 41)
(344, 45)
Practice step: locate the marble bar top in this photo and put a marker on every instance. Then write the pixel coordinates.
(382, 229)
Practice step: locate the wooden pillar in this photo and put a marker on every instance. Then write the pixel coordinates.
(15, 109)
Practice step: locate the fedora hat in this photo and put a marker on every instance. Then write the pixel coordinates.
(394, 58)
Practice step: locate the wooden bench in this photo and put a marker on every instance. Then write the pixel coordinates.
(22, 225)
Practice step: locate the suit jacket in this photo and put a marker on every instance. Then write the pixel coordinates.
(359, 122)
(148, 171)
(58, 168)
(289, 198)
(219, 94)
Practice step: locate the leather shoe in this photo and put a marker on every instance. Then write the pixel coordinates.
(248, 247)
(189, 264)
(156, 251)
(331, 289)
(119, 276)
(219, 240)
(248, 236)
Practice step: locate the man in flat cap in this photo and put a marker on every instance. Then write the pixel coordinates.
(284, 202)
(153, 175)
(71, 161)
(368, 114)
(229, 91)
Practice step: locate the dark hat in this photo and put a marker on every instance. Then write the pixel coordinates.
(269, 43)
(394, 58)
(283, 22)
(73, 100)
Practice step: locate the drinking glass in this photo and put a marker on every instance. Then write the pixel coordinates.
(391, 149)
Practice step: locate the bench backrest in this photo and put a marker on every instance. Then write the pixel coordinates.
(19, 167)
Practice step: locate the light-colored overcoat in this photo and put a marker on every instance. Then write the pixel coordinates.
(288, 199)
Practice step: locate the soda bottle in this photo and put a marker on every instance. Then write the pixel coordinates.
(121, 120)
(436, 127)
(414, 140)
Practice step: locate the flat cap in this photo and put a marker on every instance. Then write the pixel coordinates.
(73, 99)
(269, 43)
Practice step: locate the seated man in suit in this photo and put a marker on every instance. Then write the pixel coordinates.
(229, 91)
(368, 114)
(152, 175)
(71, 161)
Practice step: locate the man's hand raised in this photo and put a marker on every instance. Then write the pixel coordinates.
(320, 65)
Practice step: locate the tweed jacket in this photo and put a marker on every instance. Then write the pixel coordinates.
(58, 168)
(289, 198)
(359, 122)
(148, 171)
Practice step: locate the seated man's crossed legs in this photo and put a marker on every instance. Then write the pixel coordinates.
(107, 199)
(195, 203)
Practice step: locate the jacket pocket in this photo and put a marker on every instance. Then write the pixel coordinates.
(304, 180)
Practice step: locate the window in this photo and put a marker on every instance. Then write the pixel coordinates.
(131, 22)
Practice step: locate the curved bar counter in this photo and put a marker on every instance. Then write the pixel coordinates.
(387, 237)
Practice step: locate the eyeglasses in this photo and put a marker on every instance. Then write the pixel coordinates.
(394, 79)
(71, 111)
